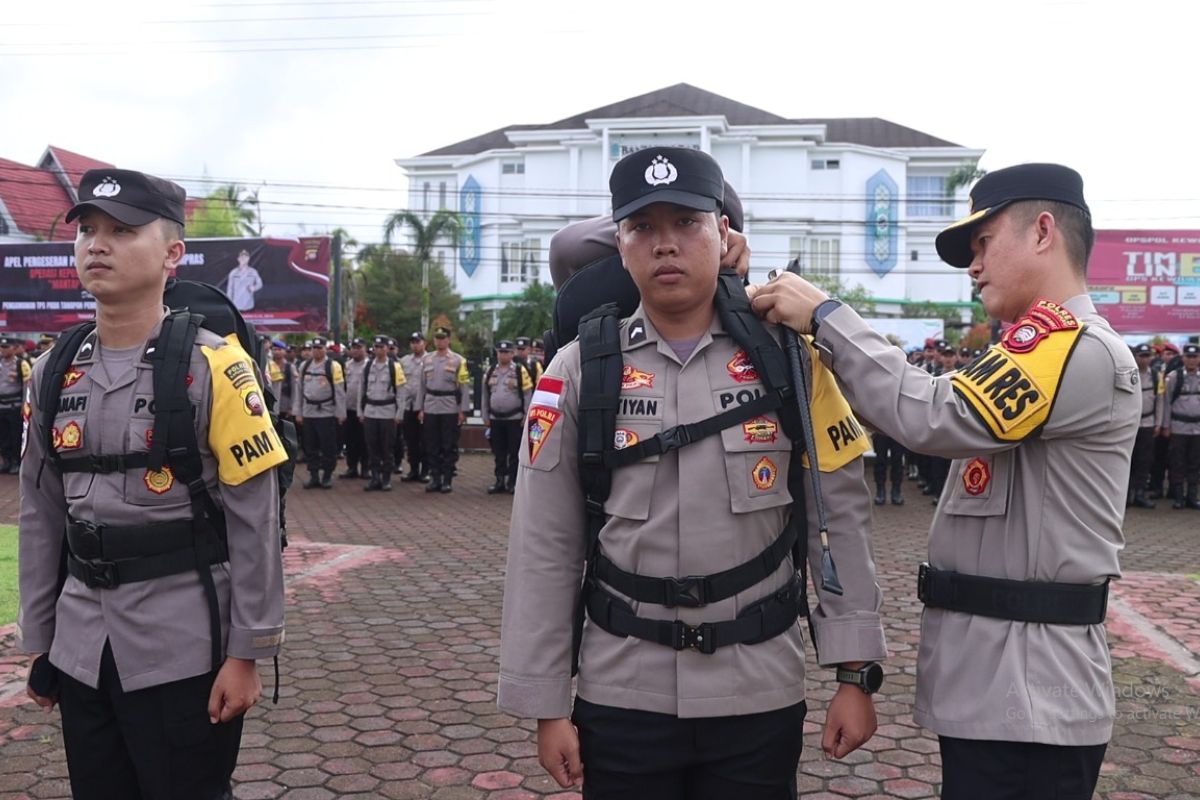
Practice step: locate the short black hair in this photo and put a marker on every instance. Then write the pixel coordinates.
(171, 228)
(1074, 223)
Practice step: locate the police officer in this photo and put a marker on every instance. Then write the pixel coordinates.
(282, 375)
(1013, 672)
(1167, 360)
(443, 399)
(320, 407)
(413, 438)
(507, 389)
(45, 343)
(152, 702)
(526, 359)
(381, 406)
(708, 713)
(352, 431)
(1143, 445)
(14, 373)
(1181, 424)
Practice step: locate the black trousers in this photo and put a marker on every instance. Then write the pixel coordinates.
(1143, 456)
(506, 448)
(629, 755)
(441, 443)
(939, 471)
(413, 442)
(151, 744)
(1158, 467)
(974, 769)
(352, 436)
(320, 443)
(10, 435)
(889, 456)
(380, 435)
(1184, 458)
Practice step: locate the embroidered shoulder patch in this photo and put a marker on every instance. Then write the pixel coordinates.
(244, 443)
(634, 378)
(741, 369)
(547, 392)
(541, 425)
(764, 474)
(976, 476)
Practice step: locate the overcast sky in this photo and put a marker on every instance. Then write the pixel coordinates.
(313, 101)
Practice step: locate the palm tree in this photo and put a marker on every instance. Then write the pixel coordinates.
(444, 224)
(244, 206)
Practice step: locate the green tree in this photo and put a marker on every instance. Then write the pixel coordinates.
(244, 206)
(442, 225)
(227, 212)
(964, 174)
(530, 314)
(387, 285)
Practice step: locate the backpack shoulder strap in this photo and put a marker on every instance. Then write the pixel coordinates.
(599, 395)
(61, 358)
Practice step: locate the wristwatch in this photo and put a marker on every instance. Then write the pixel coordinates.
(823, 310)
(868, 677)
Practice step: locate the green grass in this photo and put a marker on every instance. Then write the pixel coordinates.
(8, 574)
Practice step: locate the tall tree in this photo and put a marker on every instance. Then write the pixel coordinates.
(227, 212)
(244, 205)
(442, 225)
(387, 283)
(530, 314)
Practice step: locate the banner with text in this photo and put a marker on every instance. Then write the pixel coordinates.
(280, 285)
(1147, 282)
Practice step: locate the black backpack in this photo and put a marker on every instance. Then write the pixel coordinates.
(602, 281)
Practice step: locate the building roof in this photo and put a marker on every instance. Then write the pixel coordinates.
(684, 100)
(72, 166)
(35, 200)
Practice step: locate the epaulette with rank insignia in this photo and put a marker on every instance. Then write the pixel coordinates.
(1012, 386)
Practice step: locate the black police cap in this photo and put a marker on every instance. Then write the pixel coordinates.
(680, 175)
(134, 198)
(504, 344)
(522, 341)
(381, 341)
(441, 333)
(1143, 349)
(358, 340)
(416, 336)
(1191, 349)
(317, 342)
(998, 189)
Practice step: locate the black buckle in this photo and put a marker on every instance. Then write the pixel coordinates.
(101, 574)
(689, 592)
(674, 438)
(924, 582)
(693, 637)
(591, 458)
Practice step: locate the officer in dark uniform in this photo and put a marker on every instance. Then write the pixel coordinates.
(152, 681)
(507, 389)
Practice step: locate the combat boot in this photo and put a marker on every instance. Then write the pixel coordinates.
(351, 472)
(880, 493)
(435, 483)
(373, 485)
(327, 479)
(510, 486)
(1192, 501)
(497, 487)
(445, 487)
(1177, 496)
(385, 484)
(313, 482)
(1141, 501)
(411, 477)
(897, 497)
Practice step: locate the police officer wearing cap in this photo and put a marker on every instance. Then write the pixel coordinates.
(697, 715)
(1181, 424)
(381, 406)
(320, 407)
(1013, 671)
(152, 701)
(526, 359)
(352, 431)
(282, 375)
(1143, 446)
(14, 374)
(443, 400)
(412, 438)
(507, 389)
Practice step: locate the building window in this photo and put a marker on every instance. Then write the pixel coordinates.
(927, 196)
(425, 197)
(442, 195)
(531, 260)
(510, 262)
(826, 163)
(824, 257)
(512, 168)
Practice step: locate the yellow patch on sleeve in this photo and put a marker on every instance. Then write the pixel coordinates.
(398, 374)
(25, 371)
(840, 438)
(338, 375)
(463, 375)
(240, 433)
(526, 381)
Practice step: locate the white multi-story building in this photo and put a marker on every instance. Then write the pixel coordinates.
(859, 200)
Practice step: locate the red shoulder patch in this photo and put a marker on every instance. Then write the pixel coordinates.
(1043, 319)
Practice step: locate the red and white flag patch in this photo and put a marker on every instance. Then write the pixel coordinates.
(547, 392)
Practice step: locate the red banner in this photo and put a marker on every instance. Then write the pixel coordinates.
(1147, 282)
(280, 285)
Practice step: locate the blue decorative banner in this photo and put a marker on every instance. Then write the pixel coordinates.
(882, 231)
(470, 200)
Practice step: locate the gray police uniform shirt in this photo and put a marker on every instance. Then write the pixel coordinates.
(159, 628)
(1181, 416)
(506, 393)
(694, 511)
(353, 370)
(1151, 398)
(315, 397)
(411, 364)
(1047, 508)
(389, 398)
(447, 376)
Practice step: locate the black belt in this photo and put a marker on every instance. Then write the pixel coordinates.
(1020, 601)
(1149, 413)
(442, 392)
(369, 402)
(319, 403)
(695, 591)
(765, 619)
(103, 464)
(1184, 417)
(105, 557)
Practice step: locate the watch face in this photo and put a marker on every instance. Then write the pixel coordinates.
(873, 678)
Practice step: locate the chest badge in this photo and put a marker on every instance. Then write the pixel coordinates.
(741, 369)
(71, 377)
(71, 437)
(623, 437)
(760, 429)
(633, 378)
(765, 473)
(159, 482)
(976, 476)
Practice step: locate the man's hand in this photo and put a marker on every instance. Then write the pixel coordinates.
(299, 420)
(421, 417)
(45, 702)
(737, 254)
(849, 723)
(787, 300)
(236, 688)
(558, 751)
(341, 420)
(462, 418)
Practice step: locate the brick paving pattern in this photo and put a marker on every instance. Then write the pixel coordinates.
(388, 676)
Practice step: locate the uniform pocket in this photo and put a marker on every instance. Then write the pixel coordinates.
(757, 464)
(979, 487)
(633, 485)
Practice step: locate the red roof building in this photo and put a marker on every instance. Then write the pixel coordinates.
(34, 200)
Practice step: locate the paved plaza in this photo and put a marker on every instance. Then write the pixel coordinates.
(387, 684)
